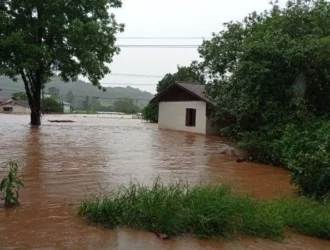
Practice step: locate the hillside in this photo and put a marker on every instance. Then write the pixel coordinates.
(80, 90)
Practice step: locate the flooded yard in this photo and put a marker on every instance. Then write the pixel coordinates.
(62, 163)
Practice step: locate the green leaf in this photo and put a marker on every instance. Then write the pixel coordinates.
(3, 183)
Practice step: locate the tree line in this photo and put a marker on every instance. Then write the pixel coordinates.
(53, 104)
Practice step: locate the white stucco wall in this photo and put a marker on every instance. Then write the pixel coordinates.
(17, 109)
(66, 109)
(172, 115)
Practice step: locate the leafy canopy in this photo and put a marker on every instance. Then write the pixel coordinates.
(41, 39)
(51, 105)
(190, 74)
(261, 66)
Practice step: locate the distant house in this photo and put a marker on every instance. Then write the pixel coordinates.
(13, 106)
(67, 108)
(184, 107)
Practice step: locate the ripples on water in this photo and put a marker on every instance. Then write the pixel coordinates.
(62, 163)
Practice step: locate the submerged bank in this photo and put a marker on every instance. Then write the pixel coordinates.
(206, 211)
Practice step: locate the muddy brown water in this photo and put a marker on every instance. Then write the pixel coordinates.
(62, 163)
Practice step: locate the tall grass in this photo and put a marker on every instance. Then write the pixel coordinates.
(205, 211)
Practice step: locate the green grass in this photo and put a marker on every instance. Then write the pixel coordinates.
(304, 215)
(205, 211)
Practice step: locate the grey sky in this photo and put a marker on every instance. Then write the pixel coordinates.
(169, 18)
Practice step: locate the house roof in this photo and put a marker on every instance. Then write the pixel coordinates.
(198, 90)
(17, 102)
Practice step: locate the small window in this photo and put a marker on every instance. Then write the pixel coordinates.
(191, 117)
(7, 109)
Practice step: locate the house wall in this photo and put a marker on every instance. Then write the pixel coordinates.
(17, 109)
(172, 115)
(66, 109)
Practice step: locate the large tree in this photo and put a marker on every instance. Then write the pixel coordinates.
(260, 67)
(42, 38)
(51, 105)
(190, 74)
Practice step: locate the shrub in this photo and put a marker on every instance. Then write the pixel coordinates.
(304, 215)
(150, 113)
(10, 185)
(306, 151)
(204, 211)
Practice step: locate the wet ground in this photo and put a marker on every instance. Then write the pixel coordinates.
(62, 163)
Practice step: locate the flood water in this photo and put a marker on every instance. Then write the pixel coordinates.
(62, 163)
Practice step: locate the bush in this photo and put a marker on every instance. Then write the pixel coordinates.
(302, 147)
(150, 113)
(51, 105)
(206, 211)
(306, 151)
(10, 185)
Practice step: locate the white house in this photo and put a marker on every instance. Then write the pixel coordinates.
(184, 107)
(12, 106)
(66, 107)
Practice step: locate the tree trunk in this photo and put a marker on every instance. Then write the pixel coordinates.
(35, 118)
(33, 91)
(36, 110)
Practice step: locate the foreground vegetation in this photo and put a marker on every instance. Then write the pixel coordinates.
(205, 211)
(10, 185)
(269, 78)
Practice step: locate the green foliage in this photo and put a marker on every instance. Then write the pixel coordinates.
(10, 185)
(54, 92)
(126, 106)
(150, 113)
(20, 96)
(51, 105)
(270, 74)
(260, 66)
(306, 152)
(206, 211)
(42, 39)
(304, 215)
(190, 74)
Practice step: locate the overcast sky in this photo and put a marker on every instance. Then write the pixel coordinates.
(169, 18)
